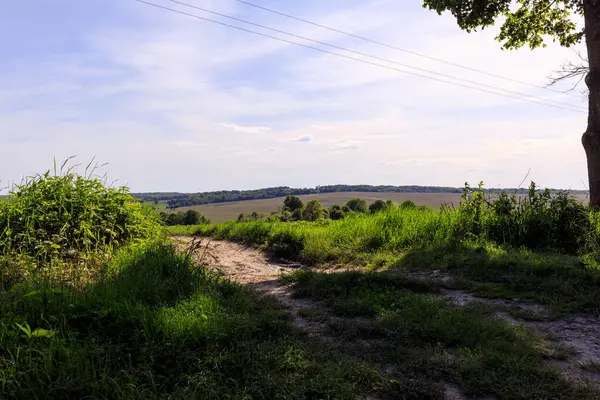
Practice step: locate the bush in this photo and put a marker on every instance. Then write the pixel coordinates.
(336, 212)
(188, 218)
(357, 205)
(292, 203)
(408, 204)
(286, 243)
(538, 221)
(63, 215)
(380, 205)
(312, 211)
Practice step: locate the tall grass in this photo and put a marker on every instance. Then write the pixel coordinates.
(146, 322)
(539, 246)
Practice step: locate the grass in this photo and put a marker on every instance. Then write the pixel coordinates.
(567, 279)
(96, 303)
(159, 326)
(428, 341)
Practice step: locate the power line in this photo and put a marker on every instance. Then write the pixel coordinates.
(351, 58)
(376, 57)
(403, 50)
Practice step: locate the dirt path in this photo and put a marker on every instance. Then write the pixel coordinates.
(252, 267)
(578, 336)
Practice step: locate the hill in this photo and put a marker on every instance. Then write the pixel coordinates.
(175, 200)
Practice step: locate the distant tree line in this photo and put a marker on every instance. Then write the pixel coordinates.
(175, 200)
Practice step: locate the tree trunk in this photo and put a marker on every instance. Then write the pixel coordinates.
(591, 137)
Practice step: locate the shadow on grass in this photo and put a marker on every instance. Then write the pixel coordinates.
(423, 340)
(160, 326)
(566, 283)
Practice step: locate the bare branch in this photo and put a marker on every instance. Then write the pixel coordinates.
(570, 70)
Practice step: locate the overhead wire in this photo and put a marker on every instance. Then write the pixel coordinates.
(528, 97)
(380, 43)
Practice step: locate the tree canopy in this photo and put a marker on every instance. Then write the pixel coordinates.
(525, 22)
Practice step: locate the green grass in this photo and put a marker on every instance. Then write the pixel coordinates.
(413, 239)
(428, 341)
(94, 303)
(158, 326)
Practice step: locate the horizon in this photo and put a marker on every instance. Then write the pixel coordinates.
(174, 104)
(363, 184)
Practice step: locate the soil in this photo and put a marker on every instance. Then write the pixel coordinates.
(578, 336)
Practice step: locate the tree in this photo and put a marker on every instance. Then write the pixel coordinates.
(336, 212)
(357, 205)
(191, 217)
(529, 22)
(292, 203)
(379, 205)
(313, 211)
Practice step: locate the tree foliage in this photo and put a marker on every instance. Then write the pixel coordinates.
(380, 205)
(357, 205)
(313, 211)
(526, 22)
(292, 203)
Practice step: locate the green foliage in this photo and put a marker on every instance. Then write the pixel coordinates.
(485, 239)
(380, 205)
(408, 204)
(190, 217)
(159, 326)
(292, 203)
(538, 222)
(313, 211)
(67, 216)
(336, 212)
(526, 22)
(357, 205)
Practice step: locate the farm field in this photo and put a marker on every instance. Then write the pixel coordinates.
(222, 212)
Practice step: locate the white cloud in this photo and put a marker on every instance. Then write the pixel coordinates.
(247, 129)
(149, 92)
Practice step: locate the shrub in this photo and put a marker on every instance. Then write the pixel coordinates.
(408, 204)
(379, 205)
(292, 203)
(538, 221)
(312, 211)
(286, 243)
(297, 215)
(63, 215)
(336, 212)
(357, 205)
(190, 217)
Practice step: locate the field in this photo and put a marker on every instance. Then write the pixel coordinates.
(222, 212)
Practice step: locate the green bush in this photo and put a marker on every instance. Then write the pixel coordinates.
(66, 215)
(313, 211)
(188, 218)
(292, 203)
(408, 204)
(288, 243)
(336, 212)
(357, 205)
(538, 221)
(380, 205)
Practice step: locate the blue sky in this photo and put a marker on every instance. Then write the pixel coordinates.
(177, 104)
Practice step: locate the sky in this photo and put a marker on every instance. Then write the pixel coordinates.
(174, 103)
